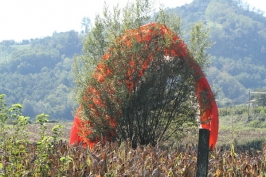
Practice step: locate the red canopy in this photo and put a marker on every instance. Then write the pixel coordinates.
(176, 48)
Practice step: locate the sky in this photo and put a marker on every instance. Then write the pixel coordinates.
(26, 19)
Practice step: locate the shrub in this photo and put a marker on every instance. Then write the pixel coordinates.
(127, 87)
(18, 156)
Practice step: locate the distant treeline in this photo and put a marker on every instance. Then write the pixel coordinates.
(38, 74)
(239, 53)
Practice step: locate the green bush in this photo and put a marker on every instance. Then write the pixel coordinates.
(257, 111)
(18, 156)
(257, 123)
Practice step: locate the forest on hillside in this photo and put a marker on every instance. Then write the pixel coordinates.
(38, 72)
(239, 50)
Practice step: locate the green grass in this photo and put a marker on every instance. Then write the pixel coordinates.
(241, 131)
(232, 129)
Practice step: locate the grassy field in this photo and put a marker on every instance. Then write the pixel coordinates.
(236, 129)
(232, 129)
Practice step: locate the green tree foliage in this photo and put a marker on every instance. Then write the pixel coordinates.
(161, 103)
(226, 85)
(239, 35)
(39, 75)
(260, 97)
(32, 61)
(6, 49)
(241, 74)
(66, 43)
(85, 23)
(47, 91)
(34, 69)
(199, 44)
(16, 148)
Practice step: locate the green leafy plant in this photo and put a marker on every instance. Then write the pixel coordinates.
(19, 156)
(13, 145)
(65, 161)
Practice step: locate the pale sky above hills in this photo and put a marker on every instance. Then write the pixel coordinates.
(26, 19)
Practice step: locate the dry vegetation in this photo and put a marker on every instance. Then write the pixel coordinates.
(42, 150)
(121, 160)
(114, 159)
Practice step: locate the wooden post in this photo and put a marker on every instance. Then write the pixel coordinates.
(248, 105)
(203, 153)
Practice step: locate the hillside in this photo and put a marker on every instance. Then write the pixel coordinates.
(239, 52)
(37, 72)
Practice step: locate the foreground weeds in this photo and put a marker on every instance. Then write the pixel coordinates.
(49, 156)
(112, 159)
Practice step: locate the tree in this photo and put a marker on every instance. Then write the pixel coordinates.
(123, 95)
(260, 97)
(86, 22)
(6, 49)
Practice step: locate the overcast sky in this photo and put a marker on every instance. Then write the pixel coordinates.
(26, 19)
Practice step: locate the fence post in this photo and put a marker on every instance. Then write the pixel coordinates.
(203, 153)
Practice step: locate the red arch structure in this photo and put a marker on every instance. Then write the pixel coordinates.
(175, 48)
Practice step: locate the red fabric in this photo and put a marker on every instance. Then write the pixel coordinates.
(209, 117)
(209, 113)
(74, 136)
